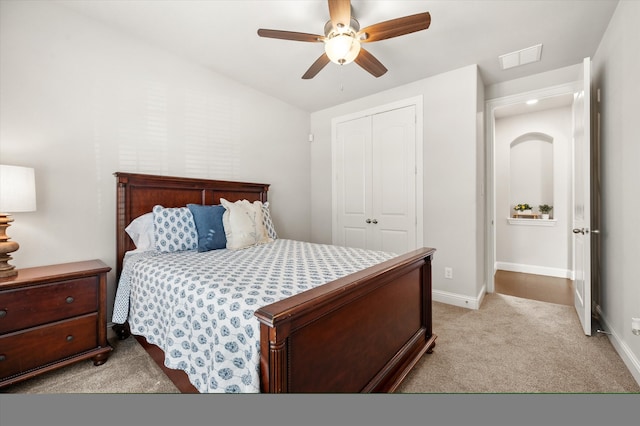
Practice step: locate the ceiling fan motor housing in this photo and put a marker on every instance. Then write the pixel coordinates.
(354, 26)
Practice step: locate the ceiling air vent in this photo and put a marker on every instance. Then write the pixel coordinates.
(521, 57)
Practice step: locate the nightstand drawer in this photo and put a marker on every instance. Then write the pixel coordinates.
(38, 346)
(30, 306)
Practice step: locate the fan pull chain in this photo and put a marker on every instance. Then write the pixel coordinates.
(341, 78)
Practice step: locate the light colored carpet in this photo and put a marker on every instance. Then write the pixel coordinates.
(129, 369)
(517, 345)
(509, 345)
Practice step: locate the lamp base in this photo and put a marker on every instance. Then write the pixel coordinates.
(6, 247)
(11, 272)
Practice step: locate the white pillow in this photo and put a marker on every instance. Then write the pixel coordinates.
(243, 224)
(174, 229)
(141, 232)
(268, 223)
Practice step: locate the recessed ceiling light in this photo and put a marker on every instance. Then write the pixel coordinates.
(532, 101)
(521, 57)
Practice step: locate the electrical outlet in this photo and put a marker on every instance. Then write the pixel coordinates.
(448, 273)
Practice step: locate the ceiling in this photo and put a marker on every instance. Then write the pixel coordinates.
(222, 35)
(551, 102)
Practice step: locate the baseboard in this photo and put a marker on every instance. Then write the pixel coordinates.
(628, 357)
(533, 269)
(459, 299)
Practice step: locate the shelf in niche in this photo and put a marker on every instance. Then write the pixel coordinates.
(531, 222)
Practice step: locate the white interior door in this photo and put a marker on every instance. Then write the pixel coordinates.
(394, 180)
(582, 200)
(353, 182)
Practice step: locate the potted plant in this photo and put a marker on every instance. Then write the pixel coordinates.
(523, 208)
(545, 209)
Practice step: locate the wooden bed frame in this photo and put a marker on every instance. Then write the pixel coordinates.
(360, 333)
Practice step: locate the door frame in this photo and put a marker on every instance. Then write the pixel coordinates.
(490, 108)
(417, 102)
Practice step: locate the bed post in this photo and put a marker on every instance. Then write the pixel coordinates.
(273, 367)
(121, 223)
(122, 331)
(427, 302)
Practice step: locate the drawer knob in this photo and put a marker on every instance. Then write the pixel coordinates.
(69, 299)
(2, 357)
(69, 338)
(3, 313)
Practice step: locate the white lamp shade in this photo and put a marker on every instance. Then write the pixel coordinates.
(17, 189)
(342, 48)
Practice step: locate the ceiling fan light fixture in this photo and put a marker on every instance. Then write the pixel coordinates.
(343, 37)
(342, 48)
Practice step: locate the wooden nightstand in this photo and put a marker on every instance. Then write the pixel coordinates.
(52, 316)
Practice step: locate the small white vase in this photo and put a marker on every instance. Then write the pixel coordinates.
(545, 215)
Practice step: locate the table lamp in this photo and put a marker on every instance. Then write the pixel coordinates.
(17, 194)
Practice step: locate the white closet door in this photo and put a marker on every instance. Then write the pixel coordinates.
(353, 175)
(375, 162)
(394, 180)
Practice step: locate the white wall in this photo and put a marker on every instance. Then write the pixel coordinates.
(551, 78)
(453, 163)
(80, 101)
(538, 249)
(616, 67)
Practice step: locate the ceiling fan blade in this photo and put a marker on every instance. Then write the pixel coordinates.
(396, 27)
(290, 35)
(340, 13)
(369, 62)
(316, 66)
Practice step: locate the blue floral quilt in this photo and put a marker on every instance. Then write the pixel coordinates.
(198, 307)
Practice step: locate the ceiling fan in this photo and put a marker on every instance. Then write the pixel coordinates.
(343, 37)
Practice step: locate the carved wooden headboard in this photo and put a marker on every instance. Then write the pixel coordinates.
(138, 193)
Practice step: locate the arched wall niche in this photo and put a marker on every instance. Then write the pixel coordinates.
(531, 170)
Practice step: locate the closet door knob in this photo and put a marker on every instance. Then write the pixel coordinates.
(368, 220)
(375, 221)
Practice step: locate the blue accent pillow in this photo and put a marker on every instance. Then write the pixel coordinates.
(208, 221)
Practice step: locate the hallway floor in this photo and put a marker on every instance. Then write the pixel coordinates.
(536, 287)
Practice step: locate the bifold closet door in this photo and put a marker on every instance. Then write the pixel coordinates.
(394, 180)
(353, 179)
(376, 181)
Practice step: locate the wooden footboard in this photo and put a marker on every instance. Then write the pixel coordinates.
(361, 333)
